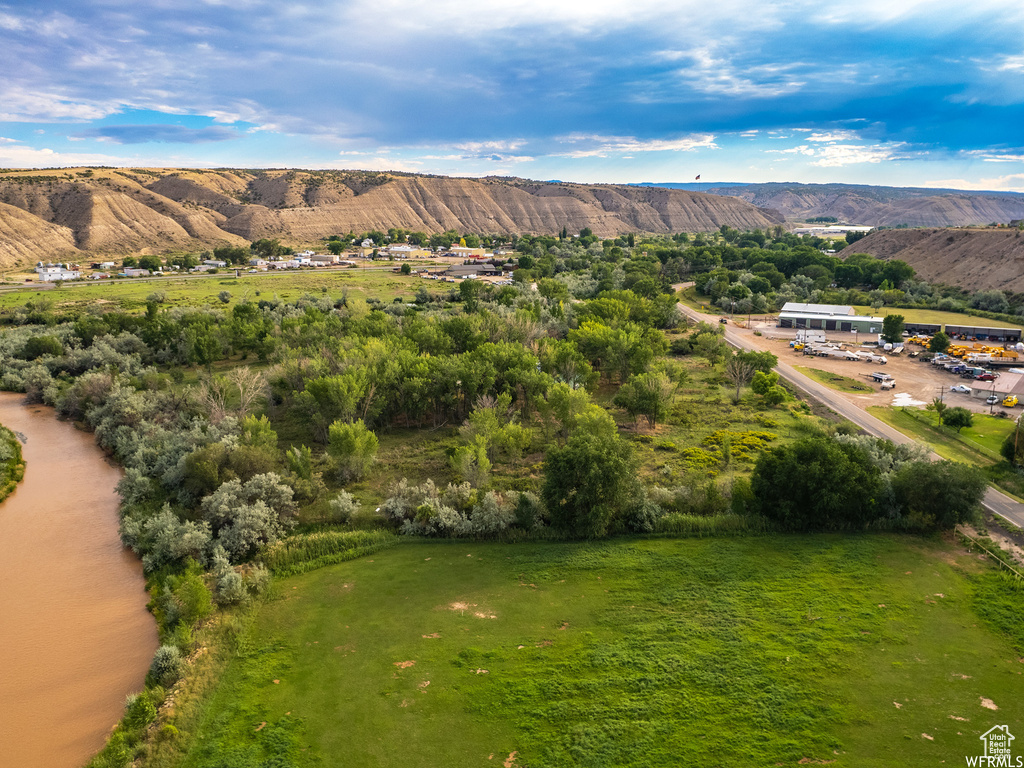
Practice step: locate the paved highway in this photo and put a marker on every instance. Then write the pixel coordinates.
(995, 501)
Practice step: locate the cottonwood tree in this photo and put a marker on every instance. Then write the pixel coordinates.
(590, 479)
(939, 494)
(353, 448)
(816, 484)
(648, 395)
(739, 372)
(892, 328)
(957, 418)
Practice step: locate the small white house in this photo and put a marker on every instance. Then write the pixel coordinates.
(215, 263)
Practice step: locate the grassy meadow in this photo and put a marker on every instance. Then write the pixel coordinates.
(131, 294)
(836, 380)
(935, 317)
(854, 650)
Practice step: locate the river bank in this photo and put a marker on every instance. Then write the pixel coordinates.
(75, 636)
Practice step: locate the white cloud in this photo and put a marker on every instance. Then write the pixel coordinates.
(837, 155)
(20, 105)
(1013, 182)
(578, 17)
(1009, 64)
(834, 136)
(20, 156)
(833, 155)
(942, 14)
(712, 74)
(605, 145)
(491, 146)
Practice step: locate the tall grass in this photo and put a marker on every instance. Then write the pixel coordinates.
(12, 465)
(309, 551)
(682, 524)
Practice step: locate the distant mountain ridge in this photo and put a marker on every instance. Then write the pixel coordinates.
(879, 206)
(67, 213)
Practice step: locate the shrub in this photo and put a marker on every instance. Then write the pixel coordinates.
(164, 538)
(139, 711)
(353, 448)
(167, 665)
(642, 517)
(343, 507)
(246, 517)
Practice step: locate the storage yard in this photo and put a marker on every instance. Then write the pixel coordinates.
(917, 382)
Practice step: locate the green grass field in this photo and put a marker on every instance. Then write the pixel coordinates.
(836, 380)
(935, 316)
(978, 444)
(866, 651)
(193, 291)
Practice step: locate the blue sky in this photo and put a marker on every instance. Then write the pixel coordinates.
(900, 92)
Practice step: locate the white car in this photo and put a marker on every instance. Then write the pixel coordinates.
(960, 388)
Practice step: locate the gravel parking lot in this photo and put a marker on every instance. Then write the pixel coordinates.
(917, 382)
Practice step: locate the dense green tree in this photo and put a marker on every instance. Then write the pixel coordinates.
(939, 494)
(939, 342)
(957, 418)
(41, 346)
(150, 262)
(816, 484)
(892, 328)
(648, 395)
(762, 382)
(760, 361)
(589, 480)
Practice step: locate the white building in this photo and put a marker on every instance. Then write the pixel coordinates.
(828, 317)
(51, 273)
(215, 263)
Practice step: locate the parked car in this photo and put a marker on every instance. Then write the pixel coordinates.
(1009, 401)
(992, 399)
(986, 377)
(960, 388)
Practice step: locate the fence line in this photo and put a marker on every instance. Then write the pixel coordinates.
(959, 529)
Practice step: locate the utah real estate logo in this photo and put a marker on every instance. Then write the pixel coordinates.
(997, 741)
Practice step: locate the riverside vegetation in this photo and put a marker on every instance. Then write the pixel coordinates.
(261, 435)
(12, 467)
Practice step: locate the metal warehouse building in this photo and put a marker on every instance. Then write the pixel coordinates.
(828, 317)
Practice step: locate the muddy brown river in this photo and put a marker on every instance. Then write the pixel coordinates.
(75, 636)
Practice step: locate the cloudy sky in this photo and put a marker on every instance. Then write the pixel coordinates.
(901, 92)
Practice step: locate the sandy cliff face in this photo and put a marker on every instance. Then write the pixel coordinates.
(882, 206)
(66, 213)
(975, 259)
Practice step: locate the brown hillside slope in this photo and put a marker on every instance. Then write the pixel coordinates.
(105, 210)
(971, 258)
(25, 238)
(882, 206)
